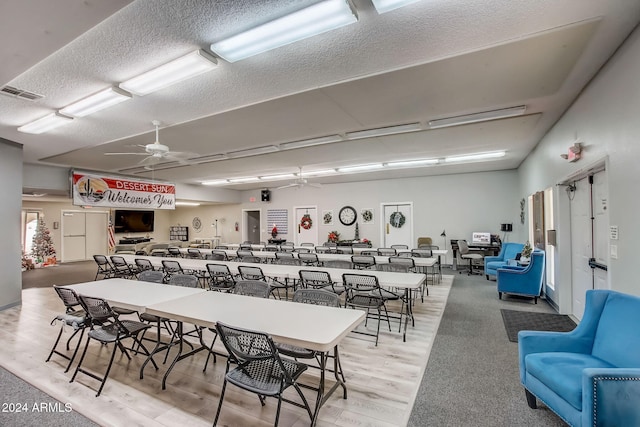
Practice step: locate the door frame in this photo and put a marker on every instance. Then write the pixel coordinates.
(562, 296)
(383, 221)
(245, 223)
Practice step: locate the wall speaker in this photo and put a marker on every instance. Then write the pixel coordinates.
(266, 195)
(506, 227)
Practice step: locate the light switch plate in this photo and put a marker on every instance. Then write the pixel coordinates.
(613, 251)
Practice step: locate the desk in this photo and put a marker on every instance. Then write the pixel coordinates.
(287, 322)
(485, 248)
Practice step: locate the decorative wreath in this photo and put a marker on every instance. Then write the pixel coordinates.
(306, 222)
(397, 219)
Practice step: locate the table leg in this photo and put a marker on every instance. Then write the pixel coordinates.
(337, 372)
(180, 356)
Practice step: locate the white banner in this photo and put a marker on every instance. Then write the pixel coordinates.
(112, 192)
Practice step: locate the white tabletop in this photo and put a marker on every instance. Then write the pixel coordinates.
(306, 325)
(132, 294)
(385, 278)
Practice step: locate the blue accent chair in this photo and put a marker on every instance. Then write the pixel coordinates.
(591, 375)
(507, 251)
(525, 280)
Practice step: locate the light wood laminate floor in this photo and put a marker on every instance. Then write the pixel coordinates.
(382, 381)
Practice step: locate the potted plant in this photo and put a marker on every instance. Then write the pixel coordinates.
(333, 236)
(525, 256)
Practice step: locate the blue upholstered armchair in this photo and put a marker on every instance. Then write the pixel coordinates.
(591, 375)
(507, 252)
(526, 280)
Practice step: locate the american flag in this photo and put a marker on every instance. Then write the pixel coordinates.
(112, 237)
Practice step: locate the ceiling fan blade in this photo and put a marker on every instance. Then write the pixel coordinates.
(288, 186)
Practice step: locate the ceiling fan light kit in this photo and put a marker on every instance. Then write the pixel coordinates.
(310, 21)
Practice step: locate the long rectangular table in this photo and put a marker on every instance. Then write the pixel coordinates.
(311, 326)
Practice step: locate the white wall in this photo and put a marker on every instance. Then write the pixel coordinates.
(459, 204)
(606, 118)
(10, 261)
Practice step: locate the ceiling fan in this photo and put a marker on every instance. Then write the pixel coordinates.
(156, 152)
(300, 182)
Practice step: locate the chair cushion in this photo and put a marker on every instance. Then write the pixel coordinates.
(562, 372)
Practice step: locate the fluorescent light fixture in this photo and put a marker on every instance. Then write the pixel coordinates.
(215, 182)
(190, 65)
(208, 158)
(96, 102)
(310, 142)
(253, 151)
(383, 6)
(247, 179)
(360, 168)
(479, 156)
(319, 172)
(410, 163)
(310, 21)
(277, 177)
(391, 130)
(187, 204)
(478, 117)
(45, 123)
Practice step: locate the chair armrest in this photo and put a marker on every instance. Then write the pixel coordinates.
(546, 342)
(512, 268)
(610, 396)
(493, 258)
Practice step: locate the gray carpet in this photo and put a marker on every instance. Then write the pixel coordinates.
(24, 406)
(60, 274)
(472, 376)
(516, 321)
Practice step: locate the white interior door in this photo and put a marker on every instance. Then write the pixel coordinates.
(306, 235)
(397, 224)
(589, 239)
(96, 237)
(73, 236)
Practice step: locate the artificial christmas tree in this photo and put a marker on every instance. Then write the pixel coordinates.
(42, 249)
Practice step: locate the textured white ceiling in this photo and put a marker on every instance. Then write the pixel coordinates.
(431, 59)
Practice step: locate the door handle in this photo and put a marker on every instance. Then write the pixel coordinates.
(387, 228)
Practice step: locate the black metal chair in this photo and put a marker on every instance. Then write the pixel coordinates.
(143, 264)
(309, 259)
(317, 279)
(363, 262)
(105, 269)
(252, 288)
(174, 251)
(216, 256)
(122, 268)
(74, 317)
(185, 280)
(258, 368)
(107, 328)
(194, 253)
(154, 276)
(363, 292)
(387, 252)
(317, 296)
(220, 278)
(171, 267)
(338, 263)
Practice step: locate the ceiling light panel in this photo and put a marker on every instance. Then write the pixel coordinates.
(187, 204)
(319, 172)
(383, 6)
(190, 65)
(310, 142)
(361, 168)
(313, 20)
(478, 117)
(390, 130)
(412, 163)
(45, 123)
(252, 151)
(215, 182)
(247, 179)
(277, 177)
(479, 156)
(96, 102)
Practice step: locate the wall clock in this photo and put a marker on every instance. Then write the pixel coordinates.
(347, 215)
(197, 224)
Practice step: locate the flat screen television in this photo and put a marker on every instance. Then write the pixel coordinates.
(129, 221)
